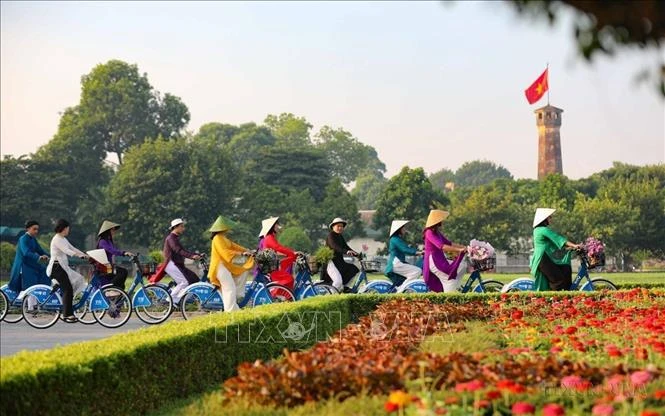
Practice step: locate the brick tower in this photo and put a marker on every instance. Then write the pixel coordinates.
(548, 120)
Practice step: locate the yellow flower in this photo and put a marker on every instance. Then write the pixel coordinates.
(399, 398)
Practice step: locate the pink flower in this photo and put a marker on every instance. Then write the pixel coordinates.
(602, 410)
(640, 378)
(470, 386)
(553, 409)
(523, 408)
(575, 383)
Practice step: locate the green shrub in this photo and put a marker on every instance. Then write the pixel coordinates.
(138, 371)
(7, 253)
(295, 238)
(324, 254)
(156, 256)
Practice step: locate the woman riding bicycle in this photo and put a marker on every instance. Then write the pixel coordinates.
(70, 281)
(224, 273)
(552, 271)
(440, 274)
(174, 259)
(270, 227)
(117, 275)
(338, 272)
(28, 268)
(397, 269)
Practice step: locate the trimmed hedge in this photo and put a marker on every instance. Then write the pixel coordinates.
(138, 371)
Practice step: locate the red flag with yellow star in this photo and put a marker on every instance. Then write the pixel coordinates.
(536, 91)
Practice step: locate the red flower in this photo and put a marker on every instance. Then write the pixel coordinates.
(571, 330)
(471, 386)
(517, 314)
(659, 394)
(390, 407)
(649, 413)
(481, 404)
(553, 409)
(493, 394)
(523, 408)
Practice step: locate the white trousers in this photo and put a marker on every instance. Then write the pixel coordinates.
(448, 285)
(233, 288)
(407, 270)
(180, 279)
(335, 275)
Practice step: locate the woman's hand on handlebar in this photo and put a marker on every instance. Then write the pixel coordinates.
(128, 254)
(352, 253)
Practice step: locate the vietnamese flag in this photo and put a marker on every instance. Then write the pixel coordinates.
(536, 91)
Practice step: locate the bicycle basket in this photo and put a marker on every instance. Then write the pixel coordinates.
(148, 269)
(597, 260)
(485, 264)
(371, 266)
(267, 261)
(313, 264)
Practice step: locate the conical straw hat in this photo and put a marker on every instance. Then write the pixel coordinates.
(219, 225)
(436, 216)
(541, 215)
(396, 225)
(267, 224)
(107, 225)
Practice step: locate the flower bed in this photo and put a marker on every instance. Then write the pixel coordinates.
(602, 354)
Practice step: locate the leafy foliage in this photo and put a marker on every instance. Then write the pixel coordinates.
(296, 238)
(7, 253)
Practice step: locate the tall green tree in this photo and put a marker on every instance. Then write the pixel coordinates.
(370, 184)
(161, 180)
(119, 108)
(346, 155)
(480, 172)
(338, 202)
(289, 129)
(442, 177)
(408, 195)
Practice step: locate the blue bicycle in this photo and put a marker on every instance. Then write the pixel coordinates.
(203, 298)
(152, 302)
(110, 306)
(581, 282)
(304, 287)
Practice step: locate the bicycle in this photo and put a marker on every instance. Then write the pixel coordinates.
(365, 267)
(110, 306)
(598, 283)
(12, 311)
(419, 286)
(152, 302)
(202, 298)
(304, 287)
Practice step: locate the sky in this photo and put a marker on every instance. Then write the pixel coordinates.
(428, 84)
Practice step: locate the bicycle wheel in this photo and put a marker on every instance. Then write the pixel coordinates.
(40, 316)
(14, 311)
(192, 306)
(280, 293)
(599, 284)
(119, 308)
(323, 288)
(82, 313)
(378, 287)
(160, 307)
(4, 305)
(418, 286)
(492, 286)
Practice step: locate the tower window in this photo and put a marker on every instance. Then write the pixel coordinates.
(540, 116)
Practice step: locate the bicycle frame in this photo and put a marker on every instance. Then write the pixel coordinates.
(49, 297)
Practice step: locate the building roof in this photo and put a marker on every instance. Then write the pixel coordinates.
(548, 107)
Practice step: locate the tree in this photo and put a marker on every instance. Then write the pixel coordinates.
(606, 27)
(161, 180)
(290, 168)
(296, 238)
(289, 129)
(119, 108)
(217, 133)
(491, 213)
(346, 155)
(247, 142)
(480, 172)
(556, 191)
(369, 187)
(442, 177)
(408, 195)
(338, 202)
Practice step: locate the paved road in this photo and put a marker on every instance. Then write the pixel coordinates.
(21, 336)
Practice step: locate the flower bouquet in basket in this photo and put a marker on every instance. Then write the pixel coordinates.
(595, 251)
(481, 255)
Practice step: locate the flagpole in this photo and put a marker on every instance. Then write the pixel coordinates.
(548, 82)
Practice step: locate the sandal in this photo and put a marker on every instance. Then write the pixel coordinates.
(70, 319)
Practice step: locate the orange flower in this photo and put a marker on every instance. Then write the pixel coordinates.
(399, 398)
